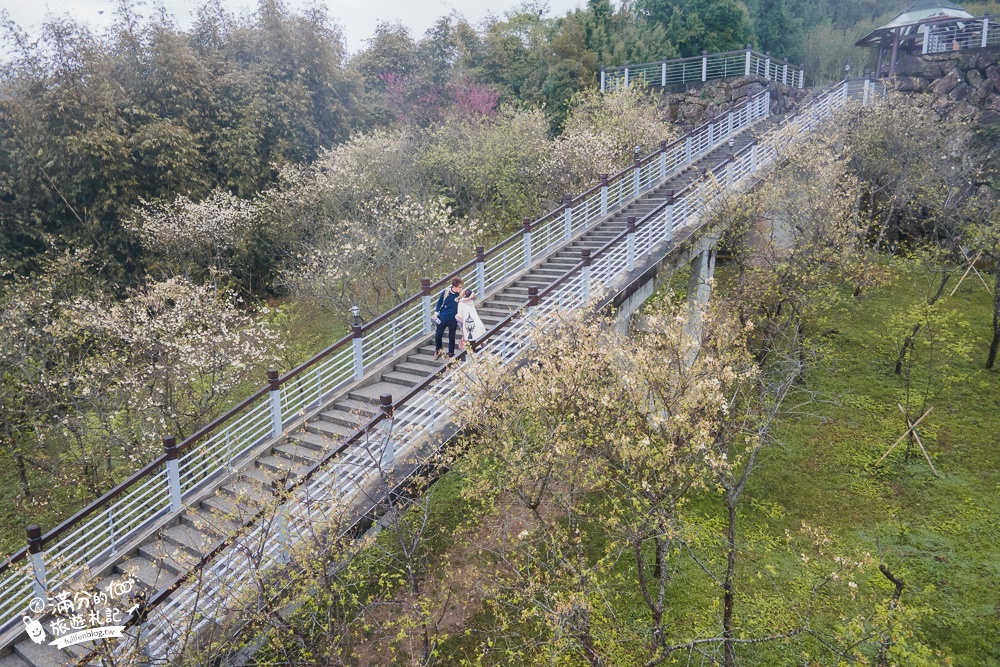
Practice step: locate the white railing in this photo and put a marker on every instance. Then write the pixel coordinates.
(159, 490)
(321, 502)
(977, 33)
(699, 69)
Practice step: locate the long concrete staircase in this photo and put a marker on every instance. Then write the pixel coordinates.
(174, 549)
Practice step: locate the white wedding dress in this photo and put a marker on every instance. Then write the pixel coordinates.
(467, 309)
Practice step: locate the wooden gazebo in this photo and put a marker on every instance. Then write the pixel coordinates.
(927, 26)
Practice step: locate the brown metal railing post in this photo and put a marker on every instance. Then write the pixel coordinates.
(35, 550)
(173, 472)
(526, 239)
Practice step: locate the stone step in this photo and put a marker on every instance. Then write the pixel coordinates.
(416, 369)
(344, 418)
(402, 379)
(310, 439)
(371, 393)
(281, 468)
(14, 660)
(221, 507)
(170, 557)
(190, 538)
(209, 522)
(422, 359)
(298, 454)
(255, 475)
(41, 655)
(333, 432)
(245, 493)
(154, 576)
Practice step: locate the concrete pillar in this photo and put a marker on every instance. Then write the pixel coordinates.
(603, 74)
(604, 195)
(425, 293)
(585, 273)
(699, 292)
(663, 73)
(173, 468)
(567, 215)
(526, 238)
(746, 67)
(37, 557)
(630, 244)
(481, 270)
(704, 66)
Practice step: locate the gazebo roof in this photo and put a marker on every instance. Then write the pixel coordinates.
(917, 14)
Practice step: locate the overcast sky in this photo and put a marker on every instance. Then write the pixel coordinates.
(358, 18)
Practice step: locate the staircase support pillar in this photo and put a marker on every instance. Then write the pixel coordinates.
(699, 292)
(636, 170)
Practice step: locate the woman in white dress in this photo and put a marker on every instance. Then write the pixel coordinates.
(467, 309)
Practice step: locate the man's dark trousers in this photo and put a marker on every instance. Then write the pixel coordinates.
(451, 324)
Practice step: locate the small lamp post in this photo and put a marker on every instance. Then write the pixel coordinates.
(847, 71)
(470, 326)
(638, 152)
(356, 315)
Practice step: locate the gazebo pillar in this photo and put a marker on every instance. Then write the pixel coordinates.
(895, 50)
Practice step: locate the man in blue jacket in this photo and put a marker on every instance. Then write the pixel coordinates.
(447, 309)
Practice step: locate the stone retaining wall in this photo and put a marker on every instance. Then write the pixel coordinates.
(696, 104)
(961, 81)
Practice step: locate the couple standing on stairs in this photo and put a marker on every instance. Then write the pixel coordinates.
(455, 307)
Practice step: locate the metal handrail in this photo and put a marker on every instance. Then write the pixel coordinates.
(690, 200)
(246, 416)
(706, 67)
